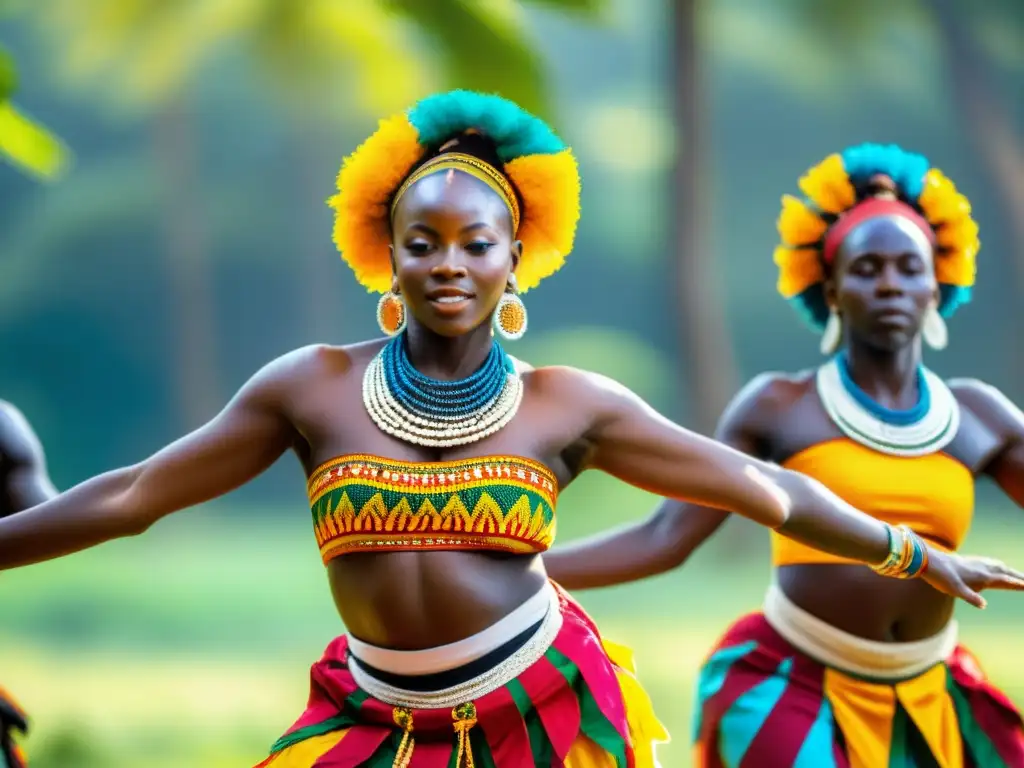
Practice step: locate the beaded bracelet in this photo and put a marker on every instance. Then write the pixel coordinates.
(908, 554)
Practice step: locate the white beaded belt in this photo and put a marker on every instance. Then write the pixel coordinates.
(849, 653)
(505, 672)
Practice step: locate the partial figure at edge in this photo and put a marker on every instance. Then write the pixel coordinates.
(24, 482)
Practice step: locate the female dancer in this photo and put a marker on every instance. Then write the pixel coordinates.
(843, 668)
(24, 482)
(433, 491)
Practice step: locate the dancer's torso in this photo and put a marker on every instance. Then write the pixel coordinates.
(400, 594)
(934, 494)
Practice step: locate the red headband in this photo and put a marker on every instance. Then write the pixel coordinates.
(871, 208)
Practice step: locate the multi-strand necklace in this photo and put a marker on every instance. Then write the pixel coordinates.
(926, 428)
(435, 413)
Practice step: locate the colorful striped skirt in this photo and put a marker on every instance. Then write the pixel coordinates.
(762, 703)
(577, 705)
(12, 719)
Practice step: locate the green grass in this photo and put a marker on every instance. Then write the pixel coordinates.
(191, 645)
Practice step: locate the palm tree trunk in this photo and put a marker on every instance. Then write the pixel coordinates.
(989, 126)
(319, 273)
(194, 360)
(706, 361)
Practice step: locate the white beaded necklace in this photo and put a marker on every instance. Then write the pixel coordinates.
(931, 433)
(437, 430)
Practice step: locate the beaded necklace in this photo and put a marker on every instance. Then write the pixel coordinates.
(926, 428)
(435, 413)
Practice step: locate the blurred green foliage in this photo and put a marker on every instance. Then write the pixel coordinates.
(23, 142)
(190, 645)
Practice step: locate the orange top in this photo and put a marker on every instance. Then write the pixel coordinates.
(366, 503)
(933, 494)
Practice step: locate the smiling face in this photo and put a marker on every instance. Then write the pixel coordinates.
(453, 251)
(883, 282)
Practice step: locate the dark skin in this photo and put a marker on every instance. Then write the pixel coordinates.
(24, 481)
(882, 284)
(451, 237)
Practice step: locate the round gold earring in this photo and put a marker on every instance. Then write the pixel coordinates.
(510, 314)
(391, 314)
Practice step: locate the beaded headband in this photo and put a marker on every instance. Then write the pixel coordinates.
(837, 188)
(478, 169)
(534, 163)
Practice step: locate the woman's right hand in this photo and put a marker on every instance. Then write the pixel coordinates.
(965, 577)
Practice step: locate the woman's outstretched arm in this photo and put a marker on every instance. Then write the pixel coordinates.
(242, 441)
(628, 439)
(669, 535)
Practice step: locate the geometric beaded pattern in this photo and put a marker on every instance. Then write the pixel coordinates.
(364, 503)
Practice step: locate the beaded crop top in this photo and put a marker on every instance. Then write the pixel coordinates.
(364, 503)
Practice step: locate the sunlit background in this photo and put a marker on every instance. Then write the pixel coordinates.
(176, 238)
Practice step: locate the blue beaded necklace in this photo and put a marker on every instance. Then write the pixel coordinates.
(444, 399)
(926, 428)
(440, 414)
(898, 417)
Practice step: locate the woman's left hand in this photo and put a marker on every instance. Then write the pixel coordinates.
(965, 577)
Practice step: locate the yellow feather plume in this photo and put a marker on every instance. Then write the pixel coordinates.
(960, 271)
(828, 186)
(799, 269)
(798, 224)
(550, 188)
(939, 199)
(367, 179)
(949, 212)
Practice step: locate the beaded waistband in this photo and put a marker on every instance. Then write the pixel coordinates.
(364, 503)
(458, 654)
(503, 673)
(840, 650)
